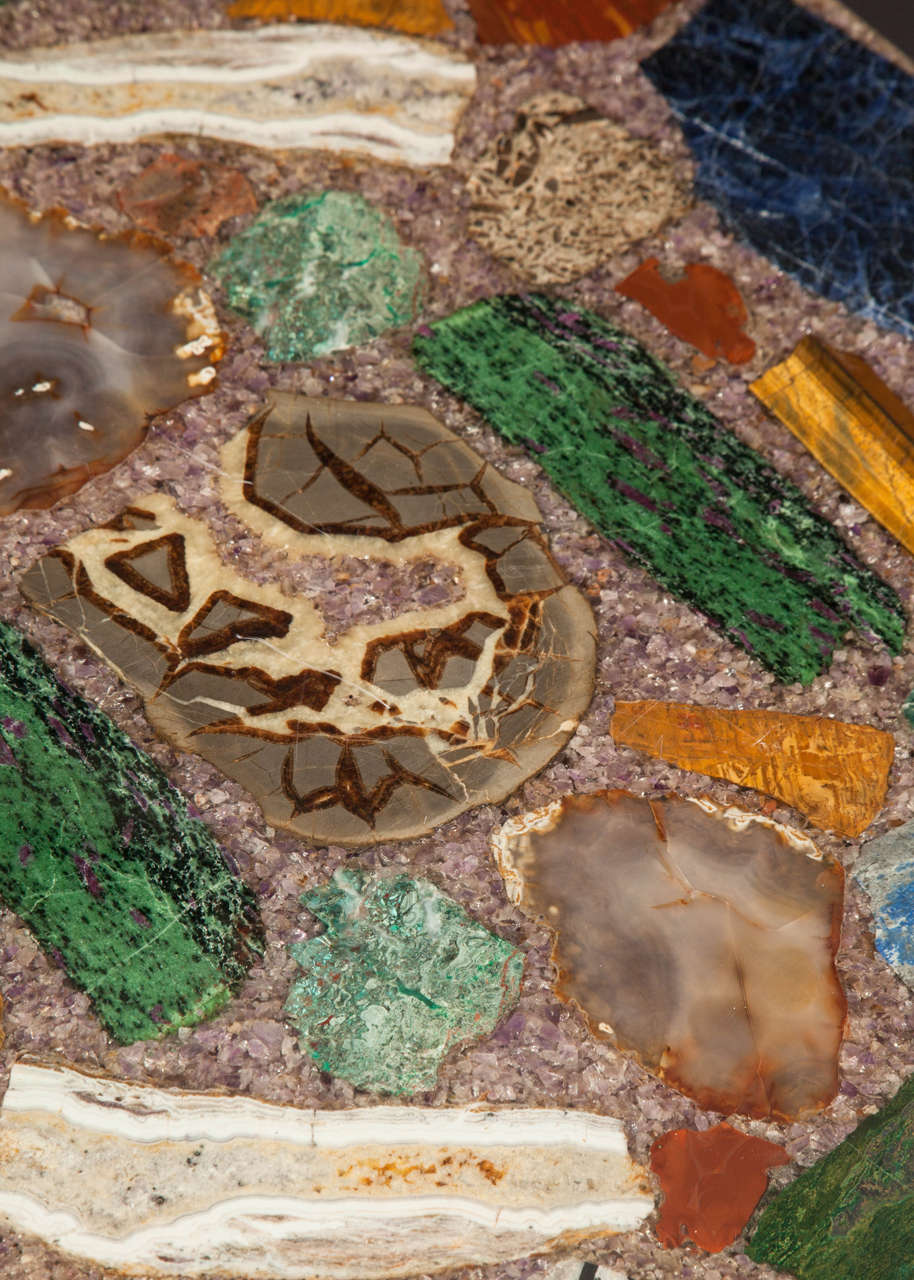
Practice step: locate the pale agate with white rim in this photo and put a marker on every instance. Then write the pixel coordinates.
(160, 1182)
(291, 85)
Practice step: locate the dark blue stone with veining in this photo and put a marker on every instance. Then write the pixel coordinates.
(805, 143)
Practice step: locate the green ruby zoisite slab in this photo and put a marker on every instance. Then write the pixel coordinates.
(852, 1214)
(659, 475)
(401, 975)
(103, 862)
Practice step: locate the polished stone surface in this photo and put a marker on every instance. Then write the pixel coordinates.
(555, 22)
(702, 307)
(411, 17)
(401, 976)
(658, 474)
(763, 92)
(103, 862)
(885, 869)
(175, 195)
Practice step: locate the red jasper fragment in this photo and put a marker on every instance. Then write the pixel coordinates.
(711, 1182)
(703, 308)
(177, 196)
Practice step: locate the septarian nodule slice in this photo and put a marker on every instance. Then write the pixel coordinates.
(314, 86)
(400, 977)
(400, 725)
(656, 472)
(256, 1190)
(703, 939)
(835, 773)
(103, 862)
(97, 333)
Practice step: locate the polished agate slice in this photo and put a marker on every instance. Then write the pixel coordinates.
(703, 939)
(97, 334)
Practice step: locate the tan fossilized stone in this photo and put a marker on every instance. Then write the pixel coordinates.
(397, 725)
(158, 1182)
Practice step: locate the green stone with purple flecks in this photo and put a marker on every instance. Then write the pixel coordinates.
(658, 474)
(100, 857)
(401, 975)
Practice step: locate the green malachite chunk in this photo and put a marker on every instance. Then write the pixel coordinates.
(315, 273)
(103, 862)
(852, 1214)
(401, 975)
(656, 472)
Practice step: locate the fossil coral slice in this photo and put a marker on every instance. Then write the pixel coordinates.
(399, 725)
(100, 858)
(178, 196)
(567, 189)
(835, 773)
(267, 1192)
(97, 333)
(412, 17)
(701, 938)
(401, 975)
(320, 86)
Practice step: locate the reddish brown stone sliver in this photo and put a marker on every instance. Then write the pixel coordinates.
(176, 196)
(711, 1183)
(703, 308)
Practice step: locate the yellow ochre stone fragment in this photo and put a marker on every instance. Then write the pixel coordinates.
(852, 423)
(834, 773)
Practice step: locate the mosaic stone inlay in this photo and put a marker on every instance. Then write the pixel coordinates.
(703, 307)
(852, 423)
(317, 272)
(711, 1183)
(885, 869)
(412, 17)
(762, 90)
(836, 774)
(549, 23)
(102, 861)
(567, 189)
(401, 724)
(178, 196)
(656, 472)
(401, 975)
(852, 1213)
(266, 1192)
(97, 333)
(285, 86)
(702, 939)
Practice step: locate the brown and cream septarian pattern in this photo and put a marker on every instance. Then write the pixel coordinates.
(398, 725)
(566, 189)
(837, 774)
(97, 334)
(700, 938)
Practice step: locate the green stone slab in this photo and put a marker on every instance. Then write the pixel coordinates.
(401, 975)
(103, 862)
(318, 272)
(851, 1216)
(659, 475)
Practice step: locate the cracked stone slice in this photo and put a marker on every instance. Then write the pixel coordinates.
(656, 472)
(412, 17)
(711, 1182)
(397, 725)
(401, 976)
(885, 869)
(851, 1214)
(703, 307)
(97, 334)
(702, 939)
(102, 861)
(835, 773)
(265, 1192)
(567, 189)
(320, 271)
(314, 86)
(852, 423)
(178, 196)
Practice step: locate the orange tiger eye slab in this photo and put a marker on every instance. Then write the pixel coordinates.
(412, 18)
(852, 423)
(703, 308)
(711, 1183)
(834, 773)
(551, 22)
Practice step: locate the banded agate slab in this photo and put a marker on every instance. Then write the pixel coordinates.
(157, 1182)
